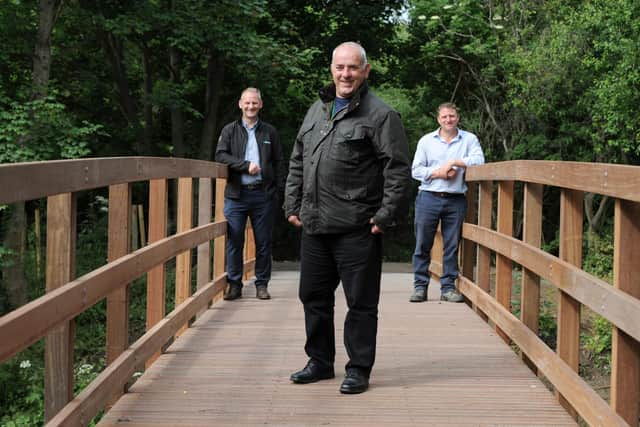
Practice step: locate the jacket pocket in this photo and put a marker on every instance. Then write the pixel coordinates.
(351, 145)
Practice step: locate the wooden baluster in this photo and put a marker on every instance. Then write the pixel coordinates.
(219, 254)
(485, 209)
(156, 277)
(625, 353)
(504, 268)
(60, 269)
(183, 260)
(119, 240)
(531, 234)
(204, 217)
(249, 252)
(468, 252)
(568, 307)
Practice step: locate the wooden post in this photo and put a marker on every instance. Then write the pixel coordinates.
(38, 244)
(183, 260)
(568, 307)
(625, 352)
(468, 252)
(531, 234)
(60, 269)
(156, 277)
(219, 242)
(119, 240)
(485, 209)
(141, 226)
(135, 234)
(249, 251)
(204, 217)
(504, 269)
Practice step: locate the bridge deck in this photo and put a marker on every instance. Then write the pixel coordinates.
(437, 364)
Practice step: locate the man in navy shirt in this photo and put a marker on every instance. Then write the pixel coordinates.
(251, 149)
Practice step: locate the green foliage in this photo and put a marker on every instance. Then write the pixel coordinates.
(596, 342)
(42, 130)
(598, 255)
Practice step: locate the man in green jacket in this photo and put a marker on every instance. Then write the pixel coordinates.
(349, 177)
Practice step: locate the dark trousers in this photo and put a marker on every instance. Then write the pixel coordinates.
(355, 258)
(258, 206)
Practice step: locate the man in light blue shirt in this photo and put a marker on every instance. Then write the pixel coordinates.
(439, 164)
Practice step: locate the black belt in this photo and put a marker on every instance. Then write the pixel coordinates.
(442, 194)
(254, 186)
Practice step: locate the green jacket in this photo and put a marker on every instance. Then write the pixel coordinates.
(349, 169)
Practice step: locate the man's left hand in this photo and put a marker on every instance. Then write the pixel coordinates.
(375, 229)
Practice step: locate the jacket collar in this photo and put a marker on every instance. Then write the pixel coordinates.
(328, 94)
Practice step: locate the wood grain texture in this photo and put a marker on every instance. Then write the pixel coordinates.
(28, 181)
(438, 364)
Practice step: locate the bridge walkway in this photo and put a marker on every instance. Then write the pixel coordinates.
(438, 364)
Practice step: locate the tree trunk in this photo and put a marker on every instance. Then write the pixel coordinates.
(177, 120)
(147, 133)
(215, 79)
(49, 11)
(15, 238)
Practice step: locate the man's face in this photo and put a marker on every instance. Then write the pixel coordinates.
(250, 104)
(347, 71)
(448, 119)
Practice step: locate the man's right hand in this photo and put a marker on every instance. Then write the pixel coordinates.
(254, 168)
(295, 221)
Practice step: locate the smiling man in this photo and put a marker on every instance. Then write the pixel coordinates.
(439, 164)
(348, 181)
(251, 149)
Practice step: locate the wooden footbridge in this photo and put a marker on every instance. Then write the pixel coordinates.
(211, 362)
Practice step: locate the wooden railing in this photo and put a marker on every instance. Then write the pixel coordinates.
(52, 315)
(619, 304)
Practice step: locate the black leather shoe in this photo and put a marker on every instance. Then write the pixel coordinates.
(354, 382)
(233, 292)
(312, 373)
(262, 293)
(418, 295)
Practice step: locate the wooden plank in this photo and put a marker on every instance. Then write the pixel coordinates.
(588, 404)
(203, 275)
(156, 277)
(183, 260)
(249, 251)
(118, 246)
(568, 307)
(468, 252)
(616, 306)
(619, 181)
(419, 370)
(94, 397)
(485, 209)
(29, 323)
(219, 243)
(60, 269)
(34, 180)
(625, 352)
(504, 268)
(119, 241)
(532, 235)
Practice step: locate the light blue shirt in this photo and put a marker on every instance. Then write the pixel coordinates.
(251, 154)
(433, 151)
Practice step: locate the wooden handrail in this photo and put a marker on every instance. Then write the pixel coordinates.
(619, 304)
(34, 180)
(52, 314)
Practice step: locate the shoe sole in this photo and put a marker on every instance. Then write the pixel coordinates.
(353, 390)
(313, 380)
